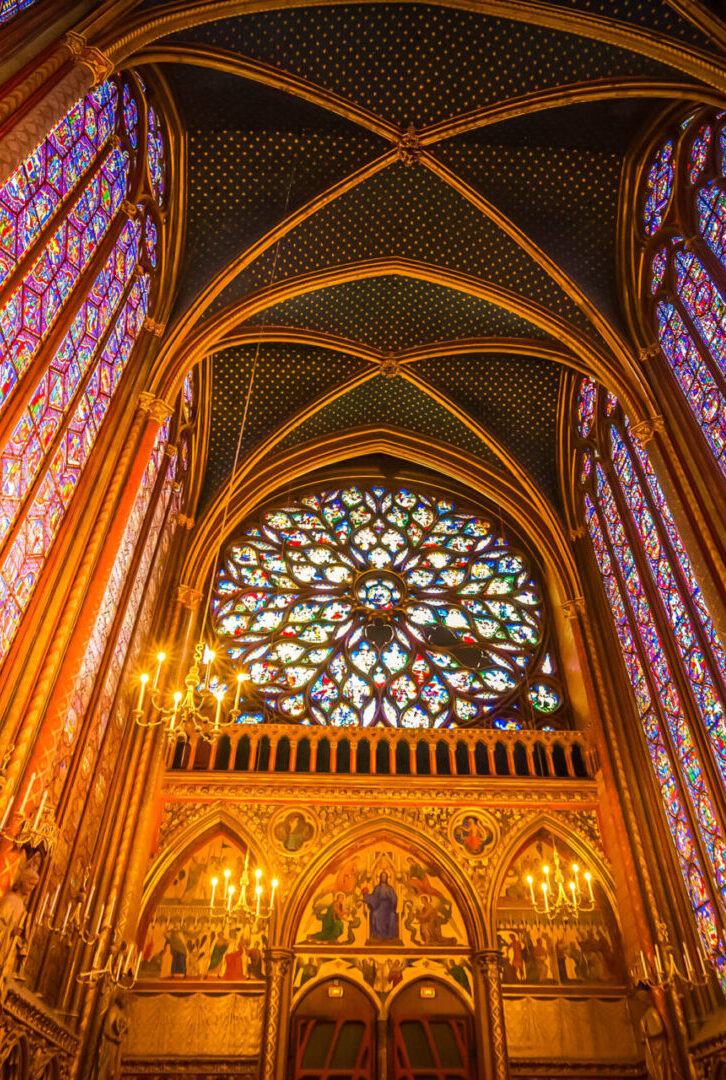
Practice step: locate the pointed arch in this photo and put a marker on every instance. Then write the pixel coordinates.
(407, 837)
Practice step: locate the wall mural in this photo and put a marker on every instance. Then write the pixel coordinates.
(540, 953)
(381, 915)
(188, 936)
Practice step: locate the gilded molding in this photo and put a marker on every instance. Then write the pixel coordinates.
(156, 407)
(185, 522)
(97, 63)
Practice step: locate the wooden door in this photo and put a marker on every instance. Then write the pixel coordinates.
(431, 1036)
(333, 1034)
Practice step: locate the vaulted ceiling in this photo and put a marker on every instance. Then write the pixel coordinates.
(442, 284)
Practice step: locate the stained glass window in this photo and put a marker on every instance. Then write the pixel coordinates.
(684, 284)
(9, 8)
(366, 606)
(672, 653)
(76, 272)
(658, 188)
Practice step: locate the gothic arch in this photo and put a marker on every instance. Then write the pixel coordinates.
(519, 837)
(189, 839)
(406, 836)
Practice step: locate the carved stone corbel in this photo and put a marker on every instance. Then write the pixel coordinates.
(572, 609)
(189, 597)
(645, 430)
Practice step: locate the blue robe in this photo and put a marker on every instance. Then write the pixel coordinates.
(383, 918)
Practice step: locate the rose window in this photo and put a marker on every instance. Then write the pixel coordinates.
(359, 607)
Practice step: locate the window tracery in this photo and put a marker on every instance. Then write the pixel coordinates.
(81, 244)
(674, 658)
(367, 606)
(683, 237)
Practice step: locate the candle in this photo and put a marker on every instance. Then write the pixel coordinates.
(226, 882)
(111, 910)
(138, 965)
(258, 892)
(88, 902)
(144, 679)
(160, 657)
(240, 679)
(100, 919)
(43, 907)
(643, 965)
(209, 658)
(119, 966)
(6, 815)
(38, 815)
(219, 695)
(588, 879)
(177, 699)
(573, 890)
(688, 962)
(544, 893)
(28, 789)
(531, 890)
(658, 961)
(702, 959)
(229, 897)
(54, 903)
(97, 956)
(215, 882)
(67, 916)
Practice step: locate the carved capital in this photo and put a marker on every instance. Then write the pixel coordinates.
(170, 450)
(489, 963)
(156, 407)
(128, 208)
(97, 63)
(153, 327)
(572, 609)
(409, 147)
(184, 522)
(578, 533)
(189, 597)
(280, 961)
(75, 43)
(650, 352)
(646, 430)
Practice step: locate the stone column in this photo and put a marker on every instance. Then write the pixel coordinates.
(275, 1033)
(89, 68)
(491, 1040)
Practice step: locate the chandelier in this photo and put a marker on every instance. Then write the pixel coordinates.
(560, 899)
(237, 903)
(198, 709)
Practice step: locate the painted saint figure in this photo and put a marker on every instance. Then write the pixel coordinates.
(382, 904)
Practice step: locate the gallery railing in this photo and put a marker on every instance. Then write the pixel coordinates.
(285, 748)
